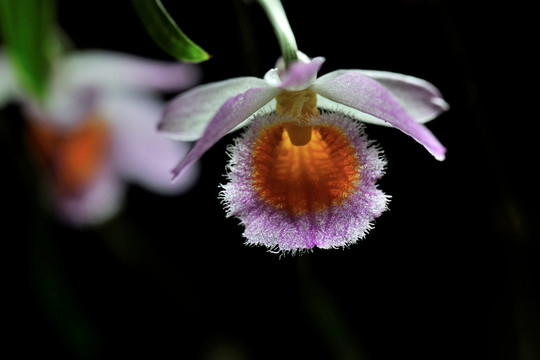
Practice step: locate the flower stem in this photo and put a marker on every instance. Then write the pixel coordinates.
(276, 14)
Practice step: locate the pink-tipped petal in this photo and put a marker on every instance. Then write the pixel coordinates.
(81, 78)
(299, 76)
(186, 117)
(362, 93)
(233, 112)
(139, 152)
(104, 69)
(422, 101)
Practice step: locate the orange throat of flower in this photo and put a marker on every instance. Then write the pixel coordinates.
(300, 166)
(74, 156)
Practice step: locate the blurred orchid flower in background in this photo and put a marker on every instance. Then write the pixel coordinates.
(95, 131)
(303, 178)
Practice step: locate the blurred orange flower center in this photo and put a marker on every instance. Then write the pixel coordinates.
(73, 156)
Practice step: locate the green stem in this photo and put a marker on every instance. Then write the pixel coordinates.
(276, 14)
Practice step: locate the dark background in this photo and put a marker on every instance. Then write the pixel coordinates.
(450, 271)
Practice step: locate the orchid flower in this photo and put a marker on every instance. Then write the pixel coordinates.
(95, 132)
(303, 175)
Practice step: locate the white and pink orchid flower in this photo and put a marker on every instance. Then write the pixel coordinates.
(96, 129)
(304, 174)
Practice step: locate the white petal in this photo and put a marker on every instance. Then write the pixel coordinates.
(140, 153)
(107, 69)
(326, 104)
(354, 89)
(79, 78)
(232, 113)
(186, 116)
(422, 101)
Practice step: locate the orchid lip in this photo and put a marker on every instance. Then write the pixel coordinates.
(295, 198)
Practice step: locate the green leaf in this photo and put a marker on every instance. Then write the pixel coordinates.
(162, 28)
(27, 28)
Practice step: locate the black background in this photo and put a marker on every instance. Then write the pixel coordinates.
(450, 271)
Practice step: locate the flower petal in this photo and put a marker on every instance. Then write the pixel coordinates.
(233, 112)
(80, 79)
(140, 153)
(97, 203)
(104, 69)
(187, 115)
(362, 93)
(65, 106)
(422, 101)
(299, 76)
